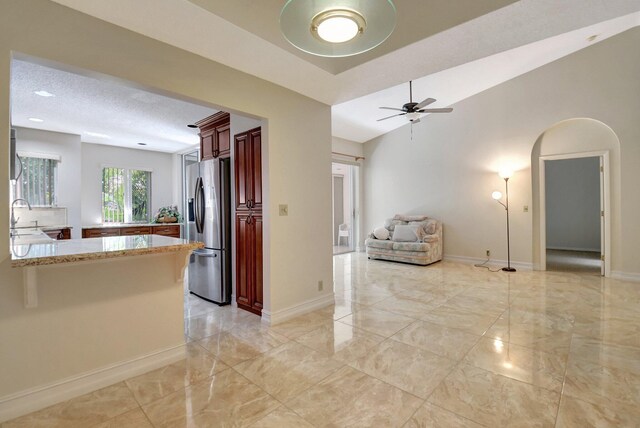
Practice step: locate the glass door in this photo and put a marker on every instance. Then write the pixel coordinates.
(344, 190)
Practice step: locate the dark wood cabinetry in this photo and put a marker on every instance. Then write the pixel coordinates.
(215, 136)
(100, 232)
(248, 163)
(144, 230)
(248, 221)
(172, 230)
(249, 293)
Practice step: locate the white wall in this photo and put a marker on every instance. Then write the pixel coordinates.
(68, 147)
(572, 191)
(97, 156)
(297, 156)
(449, 169)
(347, 147)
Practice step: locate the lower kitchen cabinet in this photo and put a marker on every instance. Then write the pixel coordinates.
(171, 230)
(144, 230)
(249, 292)
(100, 232)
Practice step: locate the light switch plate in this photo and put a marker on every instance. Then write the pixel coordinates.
(525, 208)
(284, 209)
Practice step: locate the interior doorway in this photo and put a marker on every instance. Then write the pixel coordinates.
(574, 212)
(344, 177)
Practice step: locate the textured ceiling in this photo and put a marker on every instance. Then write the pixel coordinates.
(452, 45)
(416, 20)
(84, 105)
(183, 24)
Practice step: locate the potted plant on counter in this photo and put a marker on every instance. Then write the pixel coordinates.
(168, 214)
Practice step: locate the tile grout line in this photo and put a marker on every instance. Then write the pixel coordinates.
(564, 380)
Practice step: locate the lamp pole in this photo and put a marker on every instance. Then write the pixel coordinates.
(506, 188)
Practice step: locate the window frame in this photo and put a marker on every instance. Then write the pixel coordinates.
(128, 198)
(55, 182)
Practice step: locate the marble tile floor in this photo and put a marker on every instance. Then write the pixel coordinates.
(446, 345)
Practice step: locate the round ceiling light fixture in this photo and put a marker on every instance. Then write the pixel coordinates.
(337, 28)
(337, 25)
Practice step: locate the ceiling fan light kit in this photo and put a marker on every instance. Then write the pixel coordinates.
(337, 28)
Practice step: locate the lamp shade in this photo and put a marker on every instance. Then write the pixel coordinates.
(337, 28)
(505, 173)
(496, 195)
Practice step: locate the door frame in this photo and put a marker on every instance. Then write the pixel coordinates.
(605, 197)
(355, 176)
(336, 237)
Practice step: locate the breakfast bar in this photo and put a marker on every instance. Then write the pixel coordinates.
(102, 309)
(32, 250)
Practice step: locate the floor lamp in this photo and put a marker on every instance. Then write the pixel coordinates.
(497, 196)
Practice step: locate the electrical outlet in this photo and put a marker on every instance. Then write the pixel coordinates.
(320, 285)
(488, 252)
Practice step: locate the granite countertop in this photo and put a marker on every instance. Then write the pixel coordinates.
(75, 250)
(108, 225)
(45, 227)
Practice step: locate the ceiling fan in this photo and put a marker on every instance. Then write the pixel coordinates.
(412, 110)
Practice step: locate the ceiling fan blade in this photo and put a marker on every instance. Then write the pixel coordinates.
(391, 108)
(437, 110)
(389, 117)
(426, 102)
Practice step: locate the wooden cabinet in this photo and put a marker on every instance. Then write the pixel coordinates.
(215, 136)
(249, 291)
(172, 230)
(59, 234)
(248, 170)
(248, 222)
(136, 230)
(100, 232)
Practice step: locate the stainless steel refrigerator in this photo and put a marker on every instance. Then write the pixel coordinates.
(208, 221)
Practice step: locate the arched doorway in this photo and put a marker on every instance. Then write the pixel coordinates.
(578, 138)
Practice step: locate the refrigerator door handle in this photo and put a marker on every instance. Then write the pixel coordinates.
(199, 202)
(199, 254)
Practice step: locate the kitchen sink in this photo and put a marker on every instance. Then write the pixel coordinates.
(29, 236)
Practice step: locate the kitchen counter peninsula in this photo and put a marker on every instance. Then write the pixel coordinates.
(78, 250)
(107, 309)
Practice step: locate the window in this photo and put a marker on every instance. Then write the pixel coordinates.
(126, 195)
(38, 181)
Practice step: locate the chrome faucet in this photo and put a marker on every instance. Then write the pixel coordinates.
(14, 220)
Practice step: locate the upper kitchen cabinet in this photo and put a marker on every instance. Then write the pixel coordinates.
(215, 136)
(248, 170)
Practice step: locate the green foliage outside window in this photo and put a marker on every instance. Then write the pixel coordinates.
(126, 195)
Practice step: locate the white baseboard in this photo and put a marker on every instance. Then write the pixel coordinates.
(625, 276)
(30, 400)
(277, 317)
(492, 263)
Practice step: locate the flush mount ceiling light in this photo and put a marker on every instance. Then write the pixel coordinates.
(337, 28)
(97, 134)
(44, 94)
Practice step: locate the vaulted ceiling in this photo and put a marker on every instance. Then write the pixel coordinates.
(451, 49)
